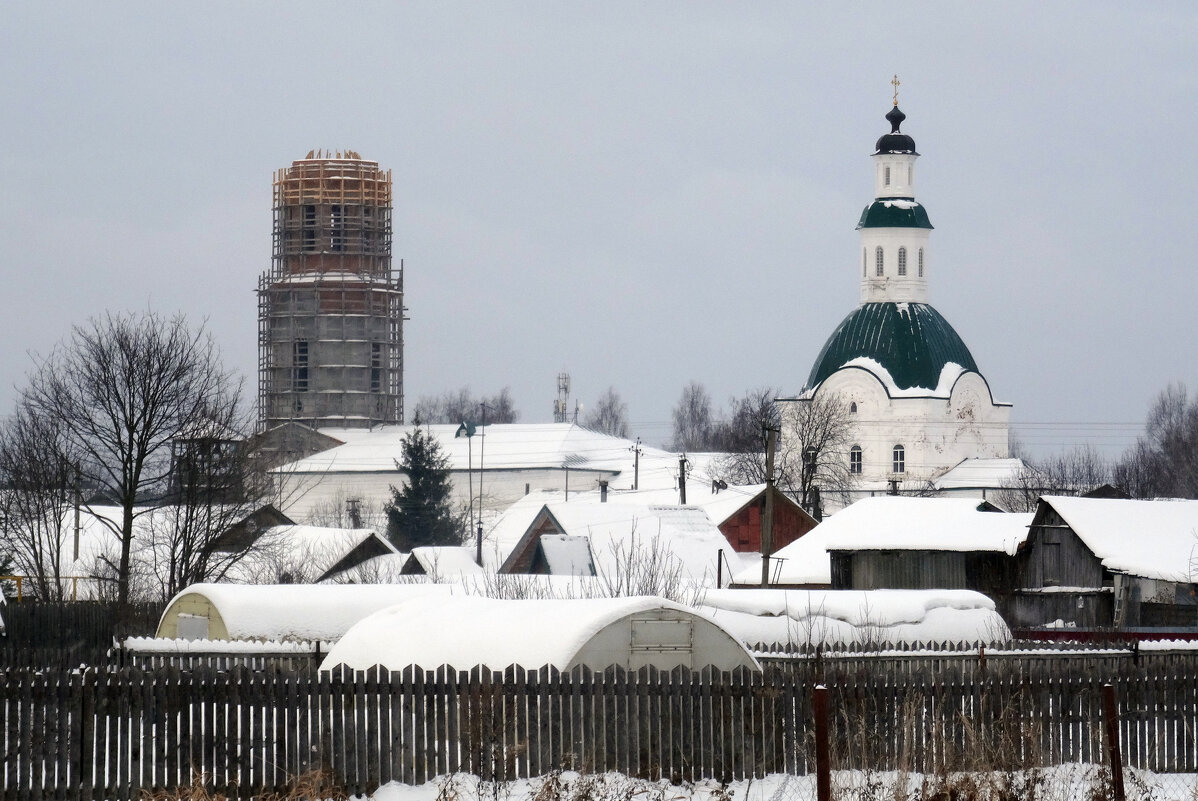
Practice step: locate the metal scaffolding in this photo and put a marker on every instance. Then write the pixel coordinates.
(330, 308)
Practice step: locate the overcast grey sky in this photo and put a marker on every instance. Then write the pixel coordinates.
(640, 194)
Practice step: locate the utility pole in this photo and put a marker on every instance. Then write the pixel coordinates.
(767, 516)
(482, 463)
(682, 479)
(636, 464)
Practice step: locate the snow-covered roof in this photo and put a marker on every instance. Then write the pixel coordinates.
(686, 534)
(982, 472)
(719, 506)
(1155, 539)
(516, 446)
(446, 562)
(464, 631)
(300, 611)
(303, 552)
(895, 523)
(856, 617)
(925, 524)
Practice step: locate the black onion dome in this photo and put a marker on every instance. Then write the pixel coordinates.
(895, 141)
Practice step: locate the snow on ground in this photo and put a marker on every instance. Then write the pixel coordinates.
(1060, 783)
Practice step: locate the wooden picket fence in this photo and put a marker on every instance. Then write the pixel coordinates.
(111, 734)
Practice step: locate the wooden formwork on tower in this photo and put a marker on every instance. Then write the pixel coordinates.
(330, 308)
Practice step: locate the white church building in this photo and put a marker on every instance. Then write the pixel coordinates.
(918, 402)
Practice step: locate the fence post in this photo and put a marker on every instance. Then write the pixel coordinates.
(1111, 714)
(823, 770)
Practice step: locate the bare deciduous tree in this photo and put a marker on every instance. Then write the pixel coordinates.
(1072, 472)
(692, 419)
(118, 392)
(741, 436)
(1164, 462)
(462, 406)
(609, 415)
(40, 483)
(817, 432)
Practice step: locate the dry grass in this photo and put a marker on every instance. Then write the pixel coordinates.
(316, 785)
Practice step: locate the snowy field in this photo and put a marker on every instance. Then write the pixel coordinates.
(1061, 783)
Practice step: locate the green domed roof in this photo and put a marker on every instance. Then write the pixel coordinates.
(911, 340)
(894, 213)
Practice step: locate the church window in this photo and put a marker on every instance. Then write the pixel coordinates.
(902, 261)
(853, 407)
(900, 459)
(921, 262)
(886, 179)
(879, 260)
(908, 175)
(864, 262)
(855, 460)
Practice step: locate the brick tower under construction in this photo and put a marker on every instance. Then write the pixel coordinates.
(330, 308)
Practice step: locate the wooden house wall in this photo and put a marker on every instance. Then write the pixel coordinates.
(902, 570)
(1054, 556)
(743, 529)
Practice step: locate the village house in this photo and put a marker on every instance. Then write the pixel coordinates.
(1108, 563)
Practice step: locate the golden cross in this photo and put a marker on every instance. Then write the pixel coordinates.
(895, 82)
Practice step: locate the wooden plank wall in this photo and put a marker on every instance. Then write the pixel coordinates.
(112, 734)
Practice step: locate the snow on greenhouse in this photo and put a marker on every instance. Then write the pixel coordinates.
(852, 617)
(312, 612)
(598, 633)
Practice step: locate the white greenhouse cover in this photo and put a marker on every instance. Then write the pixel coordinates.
(467, 631)
(852, 616)
(302, 611)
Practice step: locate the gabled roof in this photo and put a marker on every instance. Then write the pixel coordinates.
(685, 536)
(1153, 539)
(980, 473)
(517, 446)
(896, 523)
(443, 562)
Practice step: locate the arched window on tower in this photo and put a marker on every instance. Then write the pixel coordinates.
(886, 176)
(902, 261)
(900, 459)
(879, 261)
(921, 262)
(864, 262)
(908, 175)
(855, 460)
(853, 407)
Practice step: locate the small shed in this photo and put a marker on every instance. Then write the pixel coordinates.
(464, 631)
(320, 612)
(442, 562)
(1109, 563)
(605, 539)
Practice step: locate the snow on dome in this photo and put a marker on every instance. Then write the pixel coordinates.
(465, 631)
(285, 611)
(780, 617)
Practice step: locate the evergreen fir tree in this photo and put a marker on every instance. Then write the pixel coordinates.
(421, 512)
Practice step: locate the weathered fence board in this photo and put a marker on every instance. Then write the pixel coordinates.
(109, 733)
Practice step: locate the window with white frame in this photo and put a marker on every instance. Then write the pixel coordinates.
(900, 459)
(921, 262)
(855, 460)
(902, 261)
(878, 259)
